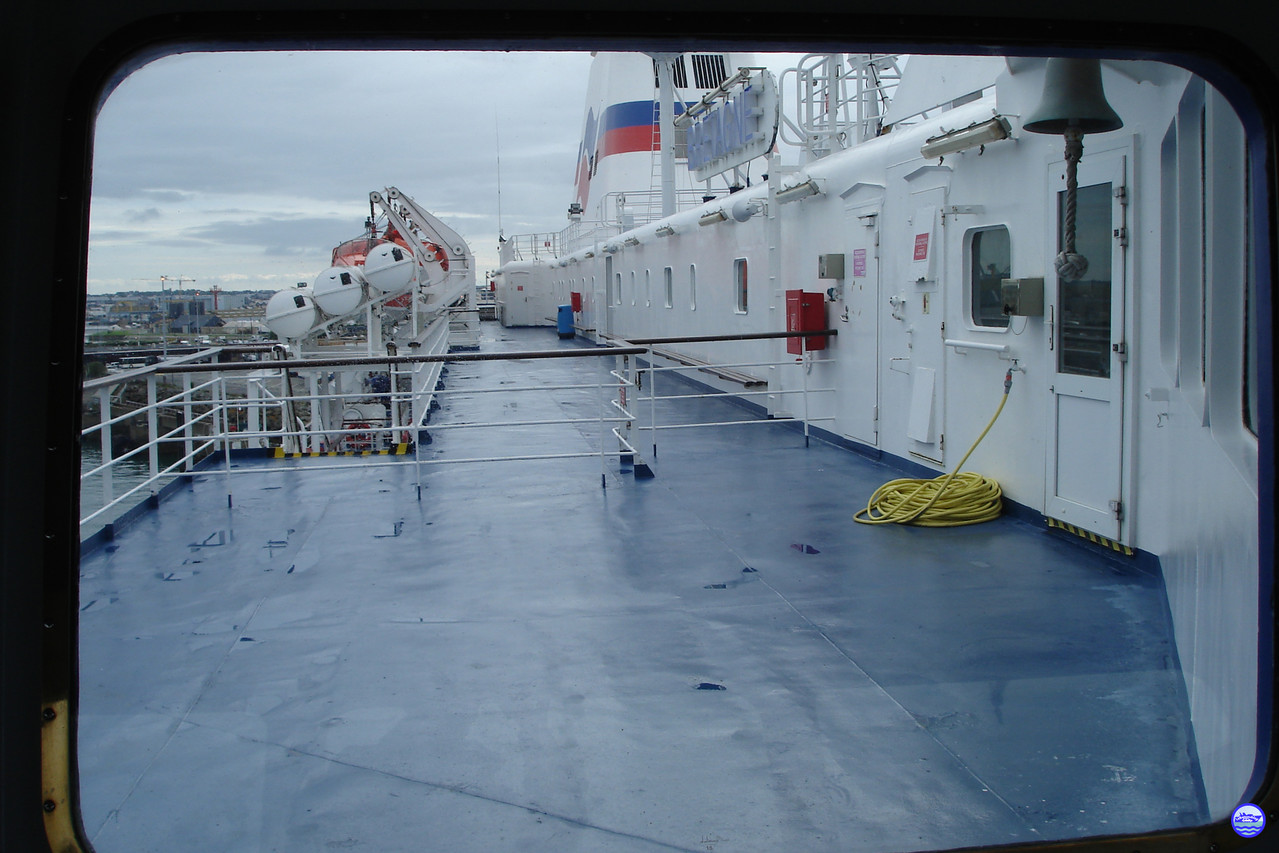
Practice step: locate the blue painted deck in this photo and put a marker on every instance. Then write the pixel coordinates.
(514, 662)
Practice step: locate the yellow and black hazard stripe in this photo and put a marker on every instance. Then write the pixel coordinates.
(1090, 536)
(397, 450)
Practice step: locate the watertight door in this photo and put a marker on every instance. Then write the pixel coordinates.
(856, 316)
(1088, 353)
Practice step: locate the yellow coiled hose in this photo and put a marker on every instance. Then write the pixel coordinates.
(969, 498)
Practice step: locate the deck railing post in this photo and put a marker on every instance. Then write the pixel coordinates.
(652, 401)
(104, 436)
(600, 372)
(187, 429)
(220, 422)
(153, 430)
(805, 364)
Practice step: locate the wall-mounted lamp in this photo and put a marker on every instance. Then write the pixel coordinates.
(973, 136)
(632, 240)
(665, 231)
(712, 217)
(798, 191)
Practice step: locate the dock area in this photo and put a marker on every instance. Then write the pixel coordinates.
(545, 656)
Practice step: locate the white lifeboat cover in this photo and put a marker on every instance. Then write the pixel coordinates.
(390, 268)
(339, 290)
(291, 313)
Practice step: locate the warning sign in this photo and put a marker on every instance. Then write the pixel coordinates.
(921, 246)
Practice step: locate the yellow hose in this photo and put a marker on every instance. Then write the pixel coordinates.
(969, 498)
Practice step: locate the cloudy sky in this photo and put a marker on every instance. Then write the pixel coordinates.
(243, 170)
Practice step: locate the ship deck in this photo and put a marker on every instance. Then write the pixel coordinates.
(716, 658)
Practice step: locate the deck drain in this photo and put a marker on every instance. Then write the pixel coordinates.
(710, 685)
(749, 569)
(716, 586)
(805, 549)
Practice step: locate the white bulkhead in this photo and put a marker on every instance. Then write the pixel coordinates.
(1132, 414)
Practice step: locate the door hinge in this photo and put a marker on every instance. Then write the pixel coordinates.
(1121, 349)
(1117, 510)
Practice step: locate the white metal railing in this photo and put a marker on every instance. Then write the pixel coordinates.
(839, 100)
(284, 408)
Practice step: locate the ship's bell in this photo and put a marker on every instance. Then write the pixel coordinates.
(1072, 98)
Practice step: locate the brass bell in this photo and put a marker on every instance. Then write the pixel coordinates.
(1072, 98)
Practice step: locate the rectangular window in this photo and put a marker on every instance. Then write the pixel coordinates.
(668, 287)
(692, 287)
(617, 289)
(1085, 304)
(990, 262)
(648, 288)
(739, 284)
(632, 287)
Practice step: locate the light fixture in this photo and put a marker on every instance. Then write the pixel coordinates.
(664, 231)
(712, 217)
(798, 191)
(611, 248)
(972, 136)
(632, 240)
(589, 254)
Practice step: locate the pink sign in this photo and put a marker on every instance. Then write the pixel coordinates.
(859, 263)
(921, 247)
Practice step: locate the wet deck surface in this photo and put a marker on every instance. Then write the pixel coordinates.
(717, 658)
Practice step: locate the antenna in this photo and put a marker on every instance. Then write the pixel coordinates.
(497, 138)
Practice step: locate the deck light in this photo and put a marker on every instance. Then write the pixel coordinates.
(973, 136)
(632, 240)
(798, 191)
(712, 217)
(665, 231)
(612, 248)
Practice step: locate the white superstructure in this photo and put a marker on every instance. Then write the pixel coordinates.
(1132, 419)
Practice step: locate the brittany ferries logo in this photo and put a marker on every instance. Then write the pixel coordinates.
(735, 130)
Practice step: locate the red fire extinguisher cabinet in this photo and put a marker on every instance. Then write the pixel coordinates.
(805, 312)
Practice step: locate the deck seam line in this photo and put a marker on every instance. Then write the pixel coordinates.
(844, 654)
(441, 786)
(204, 687)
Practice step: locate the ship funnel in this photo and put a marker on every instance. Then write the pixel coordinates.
(1073, 98)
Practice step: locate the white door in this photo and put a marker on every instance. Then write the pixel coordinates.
(1089, 352)
(857, 320)
(925, 312)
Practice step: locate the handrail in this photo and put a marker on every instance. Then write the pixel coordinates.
(311, 431)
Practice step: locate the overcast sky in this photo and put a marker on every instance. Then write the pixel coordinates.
(243, 170)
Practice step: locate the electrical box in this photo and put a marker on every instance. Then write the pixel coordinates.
(575, 300)
(1023, 297)
(805, 312)
(830, 266)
